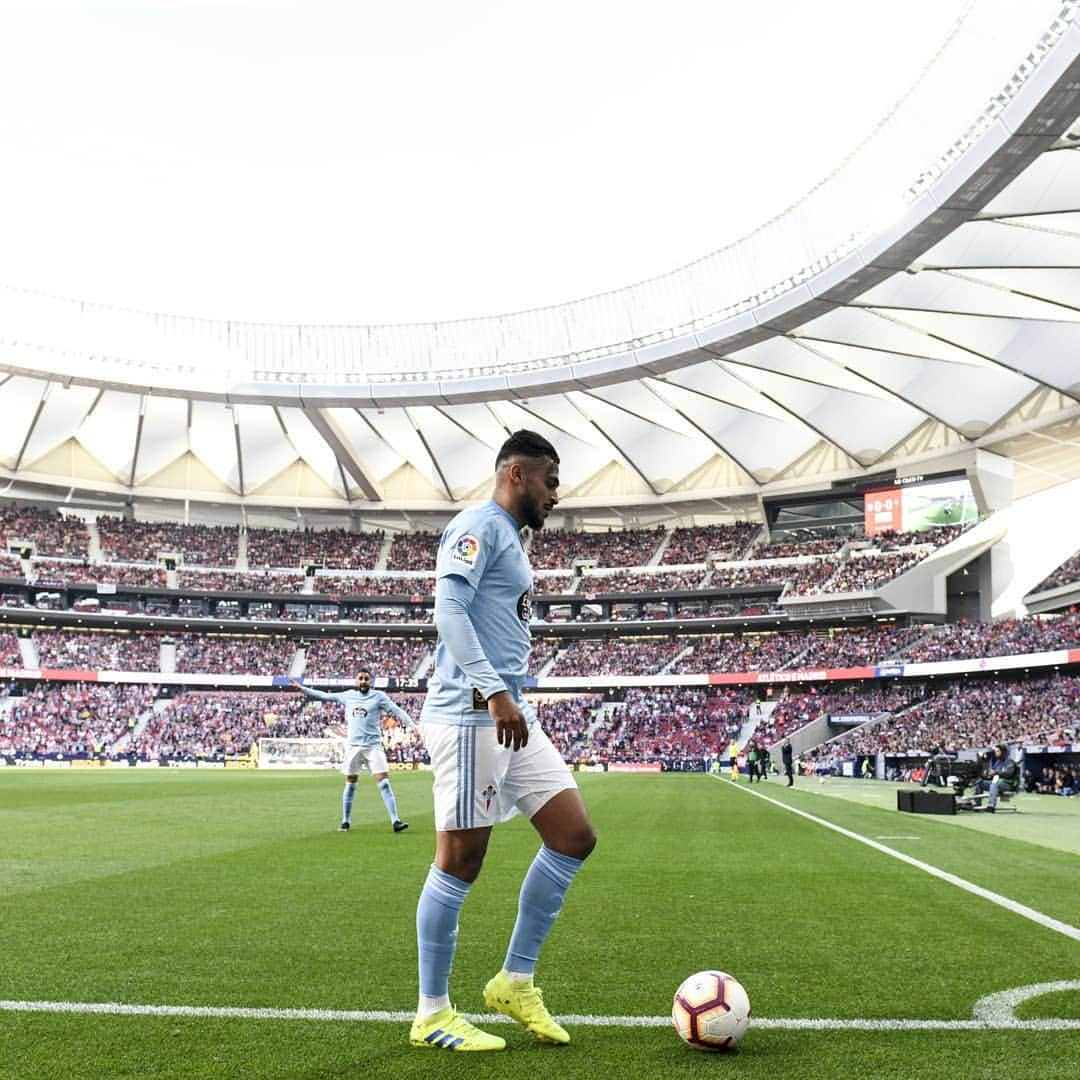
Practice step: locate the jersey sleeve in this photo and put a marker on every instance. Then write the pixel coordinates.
(466, 549)
(322, 695)
(396, 711)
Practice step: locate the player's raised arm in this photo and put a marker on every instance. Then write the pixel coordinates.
(311, 692)
(398, 712)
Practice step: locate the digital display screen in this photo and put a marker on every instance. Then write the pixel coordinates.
(932, 504)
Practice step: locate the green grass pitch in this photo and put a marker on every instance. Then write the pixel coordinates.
(232, 889)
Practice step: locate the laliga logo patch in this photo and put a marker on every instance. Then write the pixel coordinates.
(465, 550)
(488, 793)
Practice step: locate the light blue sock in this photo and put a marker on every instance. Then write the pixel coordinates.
(387, 793)
(437, 929)
(539, 904)
(347, 797)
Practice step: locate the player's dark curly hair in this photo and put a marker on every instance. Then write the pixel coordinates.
(526, 444)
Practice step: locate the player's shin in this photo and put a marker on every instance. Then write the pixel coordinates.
(539, 904)
(387, 793)
(436, 936)
(347, 797)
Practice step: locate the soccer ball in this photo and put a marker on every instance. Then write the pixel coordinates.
(711, 1011)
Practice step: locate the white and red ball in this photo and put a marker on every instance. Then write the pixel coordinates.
(711, 1011)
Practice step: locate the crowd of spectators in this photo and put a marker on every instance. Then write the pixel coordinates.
(1061, 779)
(395, 658)
(863, 572)
(338, 549)
(215, 724)
(782, 548)
(414, 613)
(142, 541)
(567, 720)
(76, 719)
(414, 550)
(152, 577)
(543, 649)
(1066, 574)
(46, 574)
(761, 574)
(237, 581)
(207, 725)
(374, 585)
(936, 538)
(641, 581)
(805, 579)
(856, 646)
(554, 584)
(1008, 637)
(233, 654)
(795, 708)
(709, 543)
(11, 567)
(635, 656)
(10, 654)
(558, 548)
(98, 650)
(735, 652)
(45, 530)
(967, 714)
(667, 724)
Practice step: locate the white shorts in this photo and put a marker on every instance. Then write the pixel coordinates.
(480, 783)
(373, 758)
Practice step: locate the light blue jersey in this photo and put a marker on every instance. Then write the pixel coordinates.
(363, 713)
(483, 603)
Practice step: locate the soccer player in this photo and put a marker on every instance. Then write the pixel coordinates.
(489, 755)
(364, 710)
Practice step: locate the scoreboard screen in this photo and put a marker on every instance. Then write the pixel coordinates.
(931, 504)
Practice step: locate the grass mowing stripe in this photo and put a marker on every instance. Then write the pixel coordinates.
(968, 886)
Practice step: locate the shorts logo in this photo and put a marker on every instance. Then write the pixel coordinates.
(465, 550)
(488, 794)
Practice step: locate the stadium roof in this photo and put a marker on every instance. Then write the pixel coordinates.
(870, 325)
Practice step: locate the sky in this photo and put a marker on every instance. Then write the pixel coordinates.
(419, 161)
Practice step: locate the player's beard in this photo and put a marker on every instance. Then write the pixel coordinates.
(534, 517)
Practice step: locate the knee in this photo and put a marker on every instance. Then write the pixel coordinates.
(469, 866)
(581, 842)
(464, 864)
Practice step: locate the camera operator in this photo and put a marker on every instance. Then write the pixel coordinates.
(1001, 773)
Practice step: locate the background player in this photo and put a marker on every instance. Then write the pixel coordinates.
(489, 756)
(364, 710)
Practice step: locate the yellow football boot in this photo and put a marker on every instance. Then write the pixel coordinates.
(447, 1030)
(523, 1002)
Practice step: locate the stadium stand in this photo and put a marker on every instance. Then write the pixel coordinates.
(338, 549)
(709, 543)
(391, 657)
(1068, 573)
(45, 530)
(413, 551)
(560, 549)
(141, 541)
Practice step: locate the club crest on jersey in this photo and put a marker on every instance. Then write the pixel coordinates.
(465, 550)
(488, 794)
(524, 605)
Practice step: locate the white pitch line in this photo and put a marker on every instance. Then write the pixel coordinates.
(991, 1015)
(977, 890)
